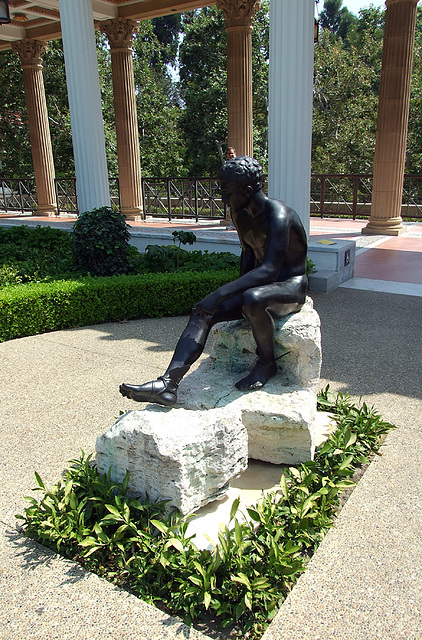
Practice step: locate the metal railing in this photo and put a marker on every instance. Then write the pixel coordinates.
(351, 195)
(17, 195)
(199, 198)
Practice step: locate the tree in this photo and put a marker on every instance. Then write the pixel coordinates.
(414, 140)
(336, 18)
(203, 86)
(167, 30)
(203, 80)
(15, 149)
(160, 140)
(345, 109)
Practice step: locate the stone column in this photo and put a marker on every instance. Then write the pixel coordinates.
(238, 15)
(290, 104)
(120, 35)
(30, 53)
(83, 87)
(393, 116)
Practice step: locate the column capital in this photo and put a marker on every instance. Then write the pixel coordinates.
(120, 32)
(238, 13)
(30, 51)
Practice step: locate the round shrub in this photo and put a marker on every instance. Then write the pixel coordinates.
(101, 242)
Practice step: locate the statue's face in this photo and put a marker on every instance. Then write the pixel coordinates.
(235, 195)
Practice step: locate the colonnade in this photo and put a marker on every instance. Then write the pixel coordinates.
(290, 105)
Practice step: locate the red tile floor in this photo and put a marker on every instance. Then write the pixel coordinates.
(383, 263)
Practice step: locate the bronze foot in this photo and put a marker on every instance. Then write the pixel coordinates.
(259, 375)
(161, 391)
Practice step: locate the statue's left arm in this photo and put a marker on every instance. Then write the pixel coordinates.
(274, 254)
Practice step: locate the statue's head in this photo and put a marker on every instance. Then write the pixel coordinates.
(244, 172)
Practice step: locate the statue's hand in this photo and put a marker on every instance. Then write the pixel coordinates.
(207, 306)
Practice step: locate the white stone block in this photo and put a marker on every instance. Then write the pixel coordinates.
(233, 347)
(187, 457)
(279, 420)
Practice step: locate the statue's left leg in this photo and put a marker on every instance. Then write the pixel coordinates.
(259, 306)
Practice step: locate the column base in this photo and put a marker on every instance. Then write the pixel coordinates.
(47, 210)
(133, 213)
(391, 227)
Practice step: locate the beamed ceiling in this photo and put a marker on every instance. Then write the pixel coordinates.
(40, 19)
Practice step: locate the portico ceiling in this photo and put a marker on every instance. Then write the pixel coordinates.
(40, 19)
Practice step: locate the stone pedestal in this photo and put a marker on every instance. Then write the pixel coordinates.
(297, 346)
(281, 417)
(186, 457)
(190, 453)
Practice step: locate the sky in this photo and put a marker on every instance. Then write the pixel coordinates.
(355, 5)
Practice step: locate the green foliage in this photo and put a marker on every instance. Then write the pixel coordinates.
(167, 30)
(39, 307)
(244, 578)
(336, 18)
(203, 87)
(160, 139)
(414, 142)
(29, 254)
(15, 148)
(58, 109)
(345, 108)
(168, 259)
(183, 237)
(310, 267)
(100, 242)
(40, 291)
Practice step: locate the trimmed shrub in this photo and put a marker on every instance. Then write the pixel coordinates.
(39, 307)
(100, 243)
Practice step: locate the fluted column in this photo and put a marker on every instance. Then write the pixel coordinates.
(238, 15)
(30, 53)
(393, 116)
(83, 88)
(290, 104)
(120, 34)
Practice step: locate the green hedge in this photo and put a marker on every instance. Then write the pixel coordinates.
(39, 307)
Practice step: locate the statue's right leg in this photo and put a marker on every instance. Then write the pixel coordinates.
(190, 346)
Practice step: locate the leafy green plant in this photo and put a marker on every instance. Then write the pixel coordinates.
(244, 578)
(34, 254)
(310, 267)
(9, 276)
(183, 237)
(100, 243)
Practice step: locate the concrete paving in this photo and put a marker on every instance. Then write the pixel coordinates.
(60, 390)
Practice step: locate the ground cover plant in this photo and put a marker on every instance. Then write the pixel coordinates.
(239, 583)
